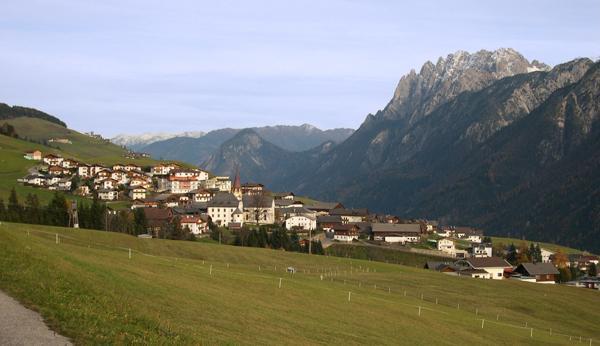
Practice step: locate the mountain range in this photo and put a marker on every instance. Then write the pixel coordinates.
(198, 150)
(487, 139)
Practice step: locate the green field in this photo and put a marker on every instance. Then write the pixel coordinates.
(547, 246)
(87, 288)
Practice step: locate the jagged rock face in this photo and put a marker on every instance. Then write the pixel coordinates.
(418, 94)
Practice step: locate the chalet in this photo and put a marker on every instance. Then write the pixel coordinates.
(546, 254)
(222, 183)
(96, 168)
(69, 164)
(131, 167)
(163, 169)
(194, 223)
(285, 213)
(224, 208)
(542, 272)
(259, 209)
(137, 193)
(582, 261)
(447, 246)
(445, 232)
(301, 222)
(108, 194)
(158, 220)
(288, 196)
(33, 155)
(107, 184)
(102, 175)
(201, 195)
(475, 273)
(182, 184)
(64, 185)
(323, 208)
(493, 265)
(84, 171)
(138, 182)
(35, 180)
(480, 250)
(83, 190)
(57, 170)
(327, 222)
(120, 176)
(350, 215)
(397, 233)
(345, 232)
(468, 233)
(252, 188)
(52, 160)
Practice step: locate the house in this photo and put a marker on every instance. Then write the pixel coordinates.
(582, 261)
(182, 183)
(259, 209)
(158, 220)
(468, 233)
(64, 184)
(84, 170)
(201, 195)
(110, 184)
(60, 140)
(301, 222)
(323, 208)
(397, 233)
(224, 208)
(542, 272)
(480, 250)
(57, 170)
(163, 169)
(83, 190)
(52, 160)
(35, 180)
(288, 196)
(546, 254)
(220, 183)
(447, 246)
(137, 193)
(252, 188)
(345, 232)
(475, 273)
(493, 265)
(69, 164)
(194, 223)
(131, 167)
(350, 215)
(33, 155)
(108, 194)
(328, 222)
(120, 176)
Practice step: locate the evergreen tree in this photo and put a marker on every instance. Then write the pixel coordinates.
(34, 212)
(97, 215)
(592, 270)
(263, 238)
(14, 210)
(2, 210)
(511, 254)
(295, 242)
(531, 253)
(139, 221)
(253, 238)
(57, 212)
(564, 274)
(538, 253)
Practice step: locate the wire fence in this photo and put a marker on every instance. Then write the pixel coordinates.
(340, 277)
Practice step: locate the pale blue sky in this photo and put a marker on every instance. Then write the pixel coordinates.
(138, 66)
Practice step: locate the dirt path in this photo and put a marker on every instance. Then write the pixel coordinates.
(21, 326)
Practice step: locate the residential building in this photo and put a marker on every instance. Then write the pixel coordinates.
(447, 246)
(301, 222)
(345, 232)
(137, 193)
(108, 194)
(52, 160)
(542, 272)
(480, 250)
(493, 265)
(397, 233)
(194, 223)
(222, 207)
(350, 215)
(33, 155)
(259, 209)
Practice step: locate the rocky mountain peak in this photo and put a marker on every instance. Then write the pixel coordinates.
(418, 94)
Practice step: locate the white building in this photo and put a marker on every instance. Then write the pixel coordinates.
(259, 209)
(221, 209)
(397, 232)
(546, 255)
(137, 193)
(301, 222)
(446, 246)
(108, 195)
(493, 265)
(194, 223)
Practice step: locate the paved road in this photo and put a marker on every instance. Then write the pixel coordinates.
(21, 326)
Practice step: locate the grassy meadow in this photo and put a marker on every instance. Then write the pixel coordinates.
(177, 292)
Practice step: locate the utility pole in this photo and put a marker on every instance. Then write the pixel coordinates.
(310, 241)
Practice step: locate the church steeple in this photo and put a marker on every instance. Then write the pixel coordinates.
(237, 185)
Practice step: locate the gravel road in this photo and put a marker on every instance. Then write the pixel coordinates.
(21, 326)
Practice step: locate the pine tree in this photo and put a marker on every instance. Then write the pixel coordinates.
(592, 270)
(263, 238)
(14, 211)
(511, 254)
(140, 222)
(57, 212)
(2, 210)
(564, 274)
(538, 253)
(294, 242)
(32, 206)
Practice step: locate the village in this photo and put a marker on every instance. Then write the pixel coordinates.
(202, 202)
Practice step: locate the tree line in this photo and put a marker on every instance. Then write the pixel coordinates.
(94, 215)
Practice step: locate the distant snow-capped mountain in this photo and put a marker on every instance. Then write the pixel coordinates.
(141, 140)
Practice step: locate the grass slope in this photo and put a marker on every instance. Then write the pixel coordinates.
(88, 289)
(84, 148)
(547, 246)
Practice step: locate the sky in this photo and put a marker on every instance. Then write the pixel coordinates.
(172, 66)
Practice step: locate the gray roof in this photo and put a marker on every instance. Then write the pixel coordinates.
(538, 268)
(329, 219)
(224, 199)
(349, 212)
(296, 210)
(396, 227)
(317, 205)
(257, 201)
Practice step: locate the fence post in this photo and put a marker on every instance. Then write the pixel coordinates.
(531, 334)
(56, 238)
(210, 271)
(482, 322)
(129, 253)
(279, 282)
(419, 311)
(349, 293)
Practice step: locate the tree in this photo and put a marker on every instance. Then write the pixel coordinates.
(2, 210)
(560, 259)
(592, 269)
(140, 223)
(295, 242)
(263, 237)
(523, 256)
(511, 254)
(14, 209)
(564, 274)
(57, 213)
(538, 253)
(34, 212)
